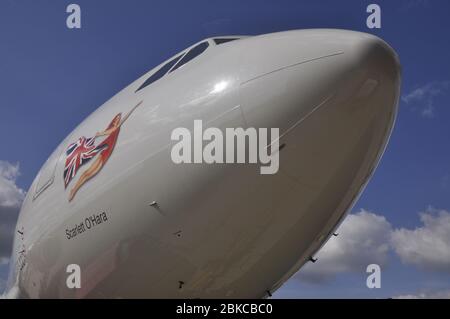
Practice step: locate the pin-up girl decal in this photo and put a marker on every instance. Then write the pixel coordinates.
(84, 150)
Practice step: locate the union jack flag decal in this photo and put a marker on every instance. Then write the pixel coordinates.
(78, 154)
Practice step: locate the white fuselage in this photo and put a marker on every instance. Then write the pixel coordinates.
(146, 227)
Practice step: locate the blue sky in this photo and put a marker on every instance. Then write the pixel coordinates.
(51, 78)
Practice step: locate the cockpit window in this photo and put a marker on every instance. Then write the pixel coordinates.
(172, 65)
(223, 40)
(160, 73)
(192, 54)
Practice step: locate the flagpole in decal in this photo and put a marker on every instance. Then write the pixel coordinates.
(82, 151)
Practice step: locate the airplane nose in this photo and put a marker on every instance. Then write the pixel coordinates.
(335, 108)
(342, 94)
(343, 115)
(301, 71)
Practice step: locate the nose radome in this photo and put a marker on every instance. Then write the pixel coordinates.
(335, 116)
(336, 146)
(370, 56)
(261, 55)
(300, 71)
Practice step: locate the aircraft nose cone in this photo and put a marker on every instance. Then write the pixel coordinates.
(309, 69)
(370, 61)
(335, 109)
(346, 108)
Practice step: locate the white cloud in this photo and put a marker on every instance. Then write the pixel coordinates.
(425, 96)
(363, 239)
(428, 246)
(11, 197)
(10, 194)
(367, 238)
